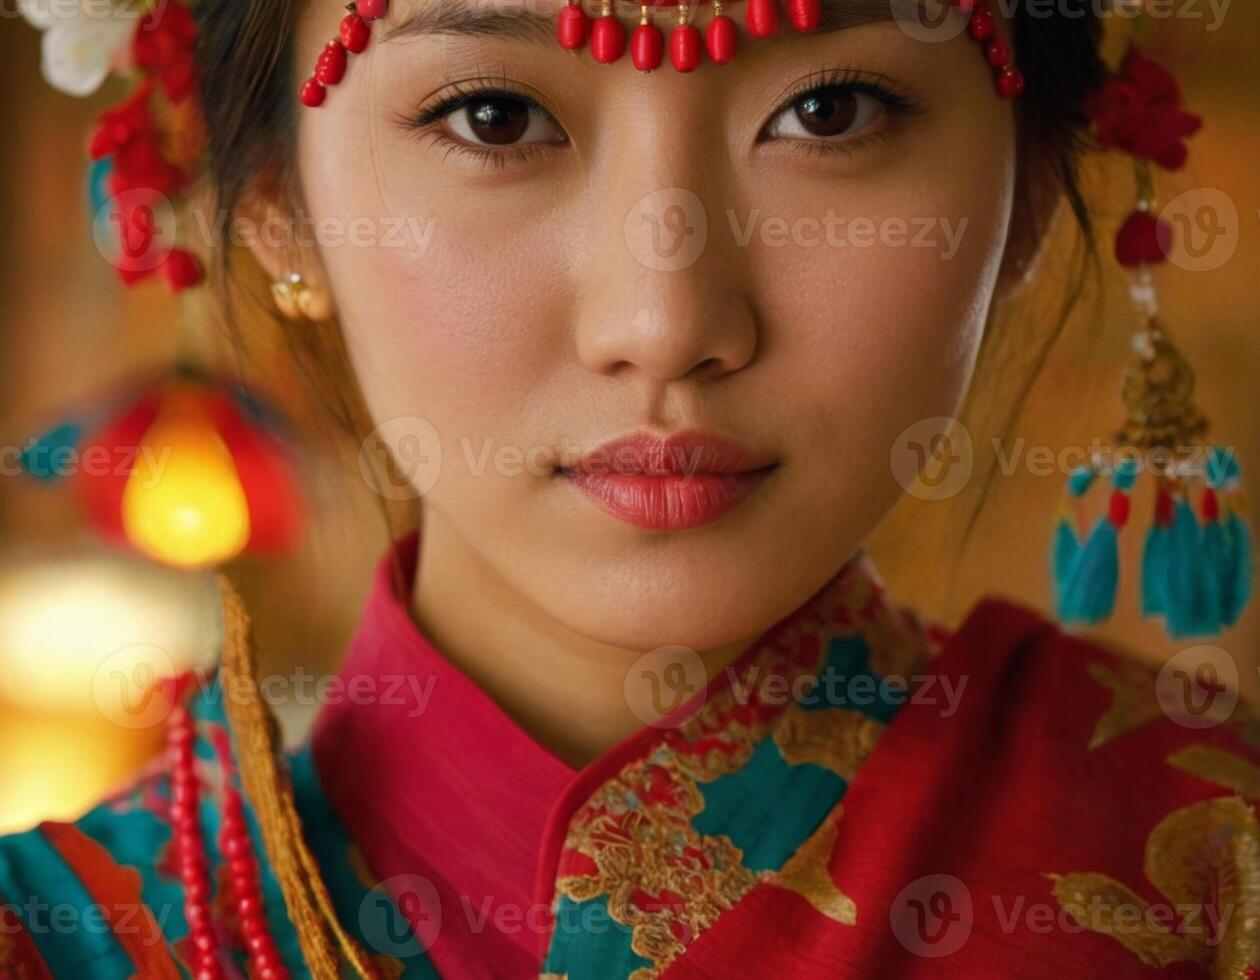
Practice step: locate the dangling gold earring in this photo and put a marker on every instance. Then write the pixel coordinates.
(296, 299)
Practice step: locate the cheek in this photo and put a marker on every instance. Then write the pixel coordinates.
(877, 324)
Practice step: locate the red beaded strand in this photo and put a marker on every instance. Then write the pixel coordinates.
(237, 849)
(194, 867)
(353, 37)
(982, 28)
(194, 864)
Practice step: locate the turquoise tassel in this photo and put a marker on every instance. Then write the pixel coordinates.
(1089, 594)
(1192, 594)
(1236, 579)
(1066, 548)
(44, 457)
(1067, 544)
(1156, 555)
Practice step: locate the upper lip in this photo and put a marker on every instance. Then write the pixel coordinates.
(682, 453)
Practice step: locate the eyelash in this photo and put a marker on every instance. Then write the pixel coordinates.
(463, 94)
(422, 124)
(896, 107)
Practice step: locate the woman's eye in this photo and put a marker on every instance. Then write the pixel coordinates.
(827, 113)
(501, 120)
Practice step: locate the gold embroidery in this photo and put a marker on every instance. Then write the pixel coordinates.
(1204, 859)
(1134, 701)
(808, 873)
(661, 877)
(1220, 767)
(838, 739)
(634, 842)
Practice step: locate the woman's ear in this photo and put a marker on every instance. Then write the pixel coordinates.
(277, 241)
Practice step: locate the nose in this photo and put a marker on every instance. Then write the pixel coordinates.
(661, 288)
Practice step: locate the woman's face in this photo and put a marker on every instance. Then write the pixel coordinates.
(795, 251)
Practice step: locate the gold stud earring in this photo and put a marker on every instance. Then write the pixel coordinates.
(296, 299)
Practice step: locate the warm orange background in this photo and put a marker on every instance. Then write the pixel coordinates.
(69, 330)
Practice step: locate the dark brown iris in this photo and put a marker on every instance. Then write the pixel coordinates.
(498, 121)
(827, 112)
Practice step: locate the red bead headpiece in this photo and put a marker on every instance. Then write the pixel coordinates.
(606, 35)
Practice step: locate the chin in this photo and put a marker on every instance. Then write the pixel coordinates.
(692, 591)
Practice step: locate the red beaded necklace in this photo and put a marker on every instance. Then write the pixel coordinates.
(194, 863)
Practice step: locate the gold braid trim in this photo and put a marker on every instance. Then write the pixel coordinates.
(256, 734)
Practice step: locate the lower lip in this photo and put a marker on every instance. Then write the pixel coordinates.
(668, 503)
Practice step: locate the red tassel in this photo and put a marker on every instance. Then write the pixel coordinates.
(1210, 506)
(684, 47)
(571, 26)
(1143, 239)
(762, 17)
(1118, 510)
(805, 15)
(720, 39)
(608, 39)
(647, 47)
(182, 270)
(1163, 508)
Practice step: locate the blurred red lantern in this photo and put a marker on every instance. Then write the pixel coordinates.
(191, 475)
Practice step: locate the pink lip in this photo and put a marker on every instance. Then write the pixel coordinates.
(670, 484)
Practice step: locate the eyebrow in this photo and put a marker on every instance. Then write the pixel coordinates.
(458, 18)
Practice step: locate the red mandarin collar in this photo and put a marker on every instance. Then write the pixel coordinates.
(431, 778)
